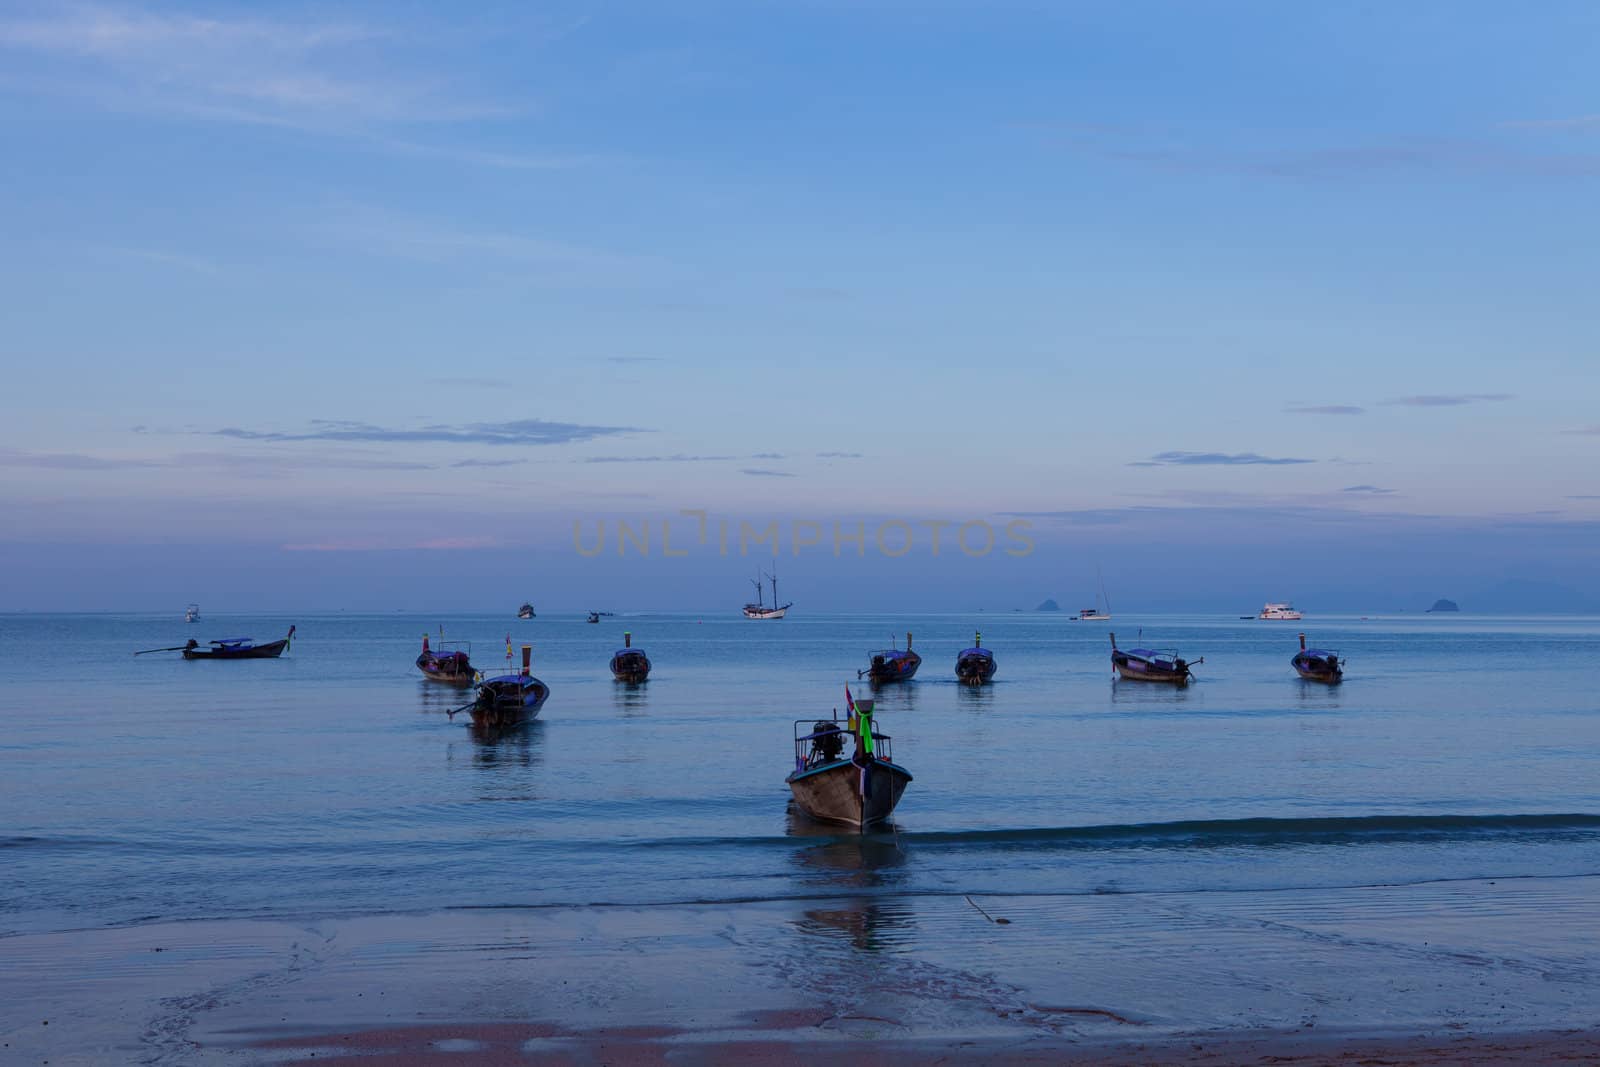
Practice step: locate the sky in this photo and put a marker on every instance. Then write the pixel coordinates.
(305, 305)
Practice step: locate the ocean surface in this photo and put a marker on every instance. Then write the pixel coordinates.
(331, 783)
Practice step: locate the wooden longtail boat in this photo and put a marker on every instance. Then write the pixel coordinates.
(508, 700)
(450, 663)
(976, 665)
(890, 665)
(594, 616)
(860, 790)
(630, 664)
(1318, 664)
(238, 648)
(1151, 665)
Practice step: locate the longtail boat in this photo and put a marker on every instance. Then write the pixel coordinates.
(1151, 665)
(238, 648)
(507, 700)
(976, 665)
(450, 663)
(1318, 664)
(888, 665)
(860, 790)
(630, 664)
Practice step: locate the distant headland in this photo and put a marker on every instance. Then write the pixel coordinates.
(1444, 605)
(1048, 605)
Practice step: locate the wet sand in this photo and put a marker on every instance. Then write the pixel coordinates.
(1481, 972)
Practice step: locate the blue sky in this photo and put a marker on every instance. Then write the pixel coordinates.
(363, 288)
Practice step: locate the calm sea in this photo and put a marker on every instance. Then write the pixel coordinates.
(330, 782)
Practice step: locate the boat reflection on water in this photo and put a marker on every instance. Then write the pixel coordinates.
(866, 924)
(856, 861)
(630, 701)
(493, 748)
(976, 697)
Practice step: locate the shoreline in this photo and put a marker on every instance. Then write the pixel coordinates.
(1445, 973)
(487, 1044)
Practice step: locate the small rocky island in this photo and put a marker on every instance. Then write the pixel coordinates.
(1048, 605)
(1444, 605)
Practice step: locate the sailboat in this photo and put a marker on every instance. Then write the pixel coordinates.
(759, 610)
(1102, 605)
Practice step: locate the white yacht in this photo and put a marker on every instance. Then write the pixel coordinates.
(1283, 612)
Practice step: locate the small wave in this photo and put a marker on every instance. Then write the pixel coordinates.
(1195, 833)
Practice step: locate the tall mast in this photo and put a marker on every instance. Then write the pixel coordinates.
(757, 583)
(774, 577)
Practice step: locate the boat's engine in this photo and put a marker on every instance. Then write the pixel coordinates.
(1181, 665)
(829, 744)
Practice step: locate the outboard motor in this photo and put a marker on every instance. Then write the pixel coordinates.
(1182, 665)
(829, 745)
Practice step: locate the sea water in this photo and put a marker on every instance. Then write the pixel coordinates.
(331, 782)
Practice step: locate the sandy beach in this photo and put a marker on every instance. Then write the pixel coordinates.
(1502, 971)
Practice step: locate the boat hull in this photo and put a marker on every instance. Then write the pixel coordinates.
(1135, 671)
(766, 613)
(267, 651)
(847, 794)
(900, 669)
(632, 667)
(1317, 671)
(446, 670)
(975, 670)
(505, 703)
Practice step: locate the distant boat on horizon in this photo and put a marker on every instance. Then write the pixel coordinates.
(1281, 612)
(525, 612)
(191, 613)
(1101, 612)
(759, 610)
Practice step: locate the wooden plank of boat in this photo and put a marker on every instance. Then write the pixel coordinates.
(238, 648)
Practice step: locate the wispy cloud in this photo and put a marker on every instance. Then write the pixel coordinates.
(762, 473)
(678, 458)
(1326, 409)
(1584, 496)
(249, 464)
(72, 461)
(1585, 431)
(1368, 490)
(460, 463)
(470, 383)
(432, 544)
(1215, 459)
(840, 455)
(514, 432)
(1446, 400)
(1186, 151)
(633, 359)
(316, 75)
(1575, 122)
